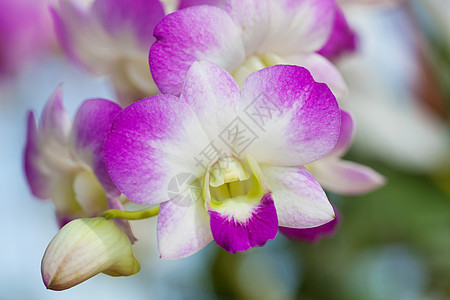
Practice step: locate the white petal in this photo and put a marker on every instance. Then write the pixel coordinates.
(299, 200)
(183, 227)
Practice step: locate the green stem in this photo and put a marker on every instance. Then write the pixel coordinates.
(130, 215)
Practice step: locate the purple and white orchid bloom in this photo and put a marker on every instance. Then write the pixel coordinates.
(247, 171)
(111, 37)
(65, 161)
(345, 177)
(342, 39)
(243, 37)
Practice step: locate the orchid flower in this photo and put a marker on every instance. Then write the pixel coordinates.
(341, 40)
(65, 161)
(111, 38)
(244, 164)
(243, 37)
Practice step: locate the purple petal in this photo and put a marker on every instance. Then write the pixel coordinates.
(342, 39)
(187, 3)
(322, 70)
(299, 199)
(236, 235)
(182, 230)
(64, 36)
(137, 16)
(62, 219)
(191, 34)
(38, 181)
(304, 117)
(346, 135)
(282, 27)
(345, 177)
(92, 124)
(54, 117)
(151, 142)
(71, 23)
(312, 235)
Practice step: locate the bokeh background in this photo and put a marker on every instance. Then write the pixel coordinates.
(393, 243)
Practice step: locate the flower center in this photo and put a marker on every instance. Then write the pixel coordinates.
(230, 182)
(255, 63)
(228, 179)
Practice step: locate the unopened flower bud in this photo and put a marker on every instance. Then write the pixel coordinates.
(82, 249)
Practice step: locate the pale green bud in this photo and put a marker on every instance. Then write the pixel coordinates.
(82, 249)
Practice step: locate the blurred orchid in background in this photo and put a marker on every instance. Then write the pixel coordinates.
(244, 37)
(111, 38)
(64, 161)
(26, 34)
(341, 40)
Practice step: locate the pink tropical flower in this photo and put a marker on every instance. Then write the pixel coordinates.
(243, 37)
(242, 187)
(111, 37)
(64, 161)
(341, 40)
